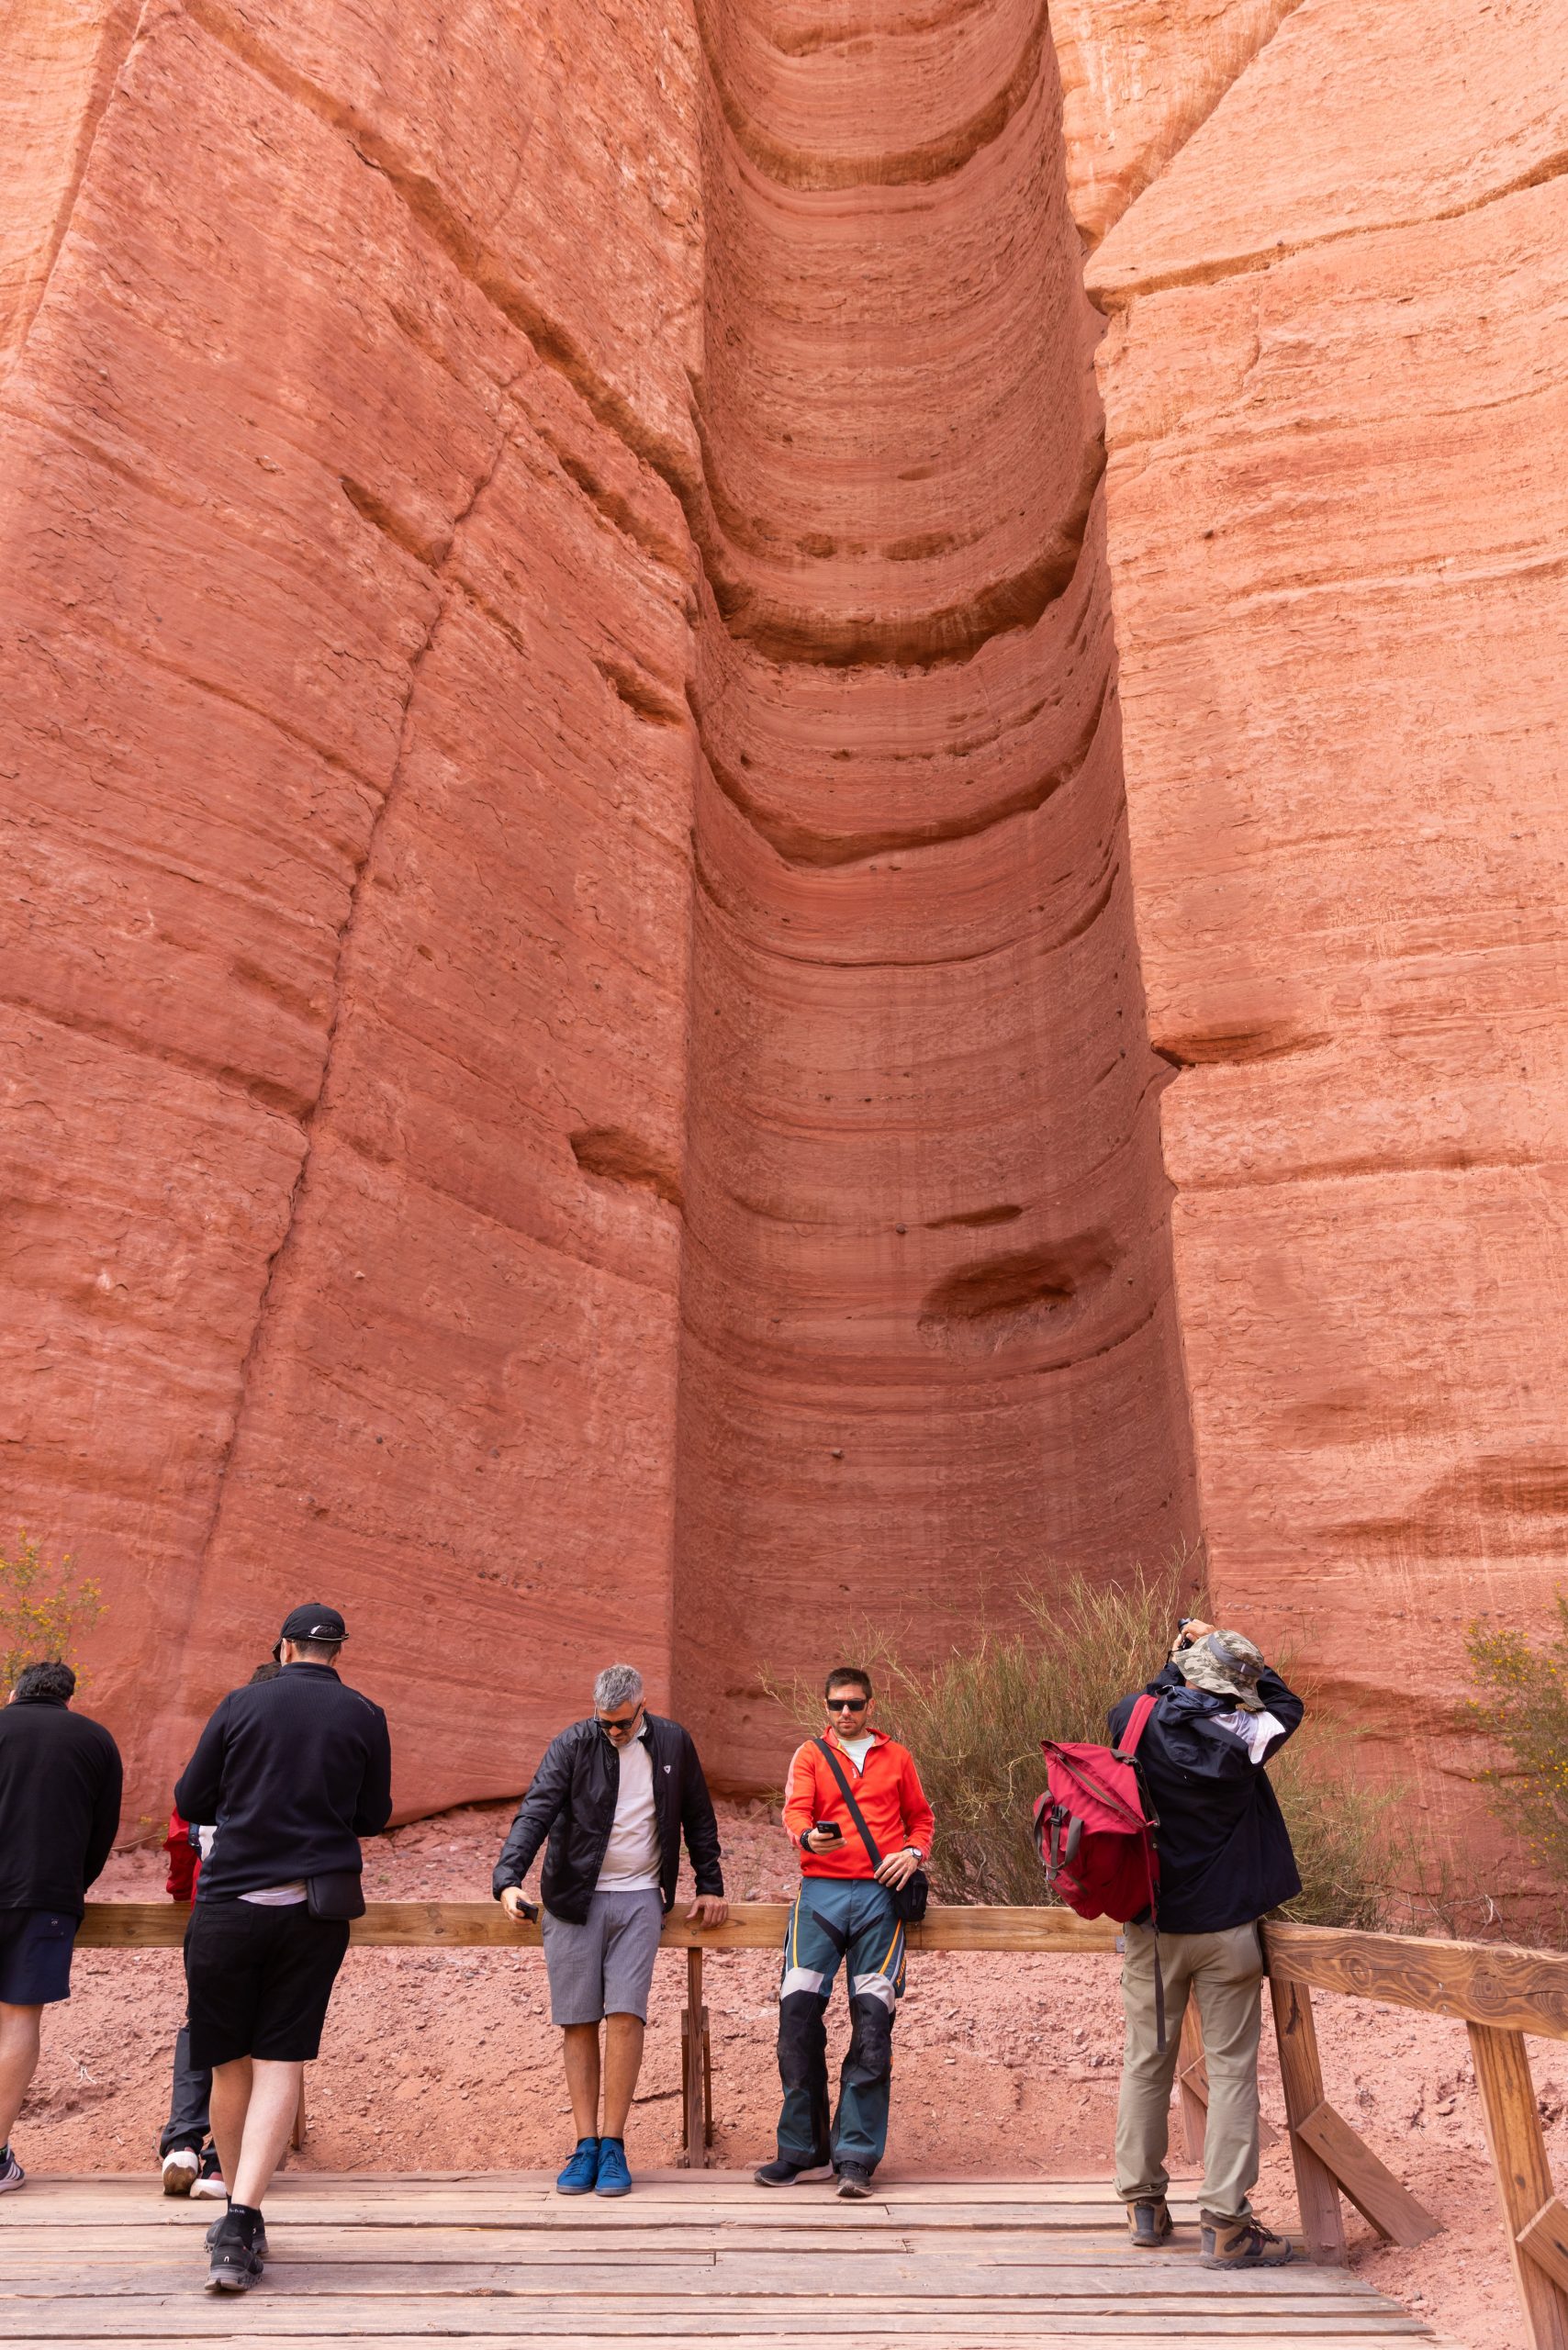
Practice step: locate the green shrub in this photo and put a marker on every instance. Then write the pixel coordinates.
(43, 1609)
(974, 1716)
(1524, 1705)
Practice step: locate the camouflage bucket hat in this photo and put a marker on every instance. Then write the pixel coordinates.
(1223, 1664)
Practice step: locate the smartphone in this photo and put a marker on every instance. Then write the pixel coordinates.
(830, 1828)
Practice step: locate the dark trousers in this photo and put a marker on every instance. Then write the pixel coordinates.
(188, 2124)
(852, 1920)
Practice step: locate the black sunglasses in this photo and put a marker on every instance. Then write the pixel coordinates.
(847, 1705)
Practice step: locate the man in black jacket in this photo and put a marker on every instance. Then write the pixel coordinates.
(1224, 1860)
(614, 1794)
(59, 1790)
(293, 1772)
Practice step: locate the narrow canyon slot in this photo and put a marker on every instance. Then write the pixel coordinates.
(912, 956)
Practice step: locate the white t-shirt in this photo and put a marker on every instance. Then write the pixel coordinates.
(1254, 1730)
(630, 1863)
(857, 1749)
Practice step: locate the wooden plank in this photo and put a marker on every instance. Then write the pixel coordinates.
(1524, 2178)
(1487, 1983)
(1301, 2072)
(1370, 2184)
(483, 1925)
(1546, 2241)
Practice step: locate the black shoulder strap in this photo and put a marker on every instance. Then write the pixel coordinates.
(837, 1769)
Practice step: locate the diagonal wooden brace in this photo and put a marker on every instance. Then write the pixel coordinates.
(1370, 2184)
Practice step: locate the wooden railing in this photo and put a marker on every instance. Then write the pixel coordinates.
(1498, 1992)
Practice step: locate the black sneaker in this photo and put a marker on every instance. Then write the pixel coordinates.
(258, 2242)
(783, 2174)
(12, 2175)
(234, 2263)
(854, 2182)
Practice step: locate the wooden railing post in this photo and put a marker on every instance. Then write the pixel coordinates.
(1524, 2177)
(1322, 2221)
(695, 2069)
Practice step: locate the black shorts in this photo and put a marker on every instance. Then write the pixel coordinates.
(35, 1956)
(258, 1980)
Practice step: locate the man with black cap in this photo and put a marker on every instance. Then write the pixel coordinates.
(293, 1772)
(1224, 1859)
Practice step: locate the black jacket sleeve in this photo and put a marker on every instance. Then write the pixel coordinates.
(374, 1807)
(105, 1814)
(698, 1824)
(536, 1814)
(198, 1787)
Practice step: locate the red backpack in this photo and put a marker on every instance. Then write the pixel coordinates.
(1094, 1833)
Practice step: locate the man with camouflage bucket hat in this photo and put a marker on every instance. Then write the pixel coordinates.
(1225, 1861)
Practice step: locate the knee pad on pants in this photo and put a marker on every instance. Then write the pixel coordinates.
(801, 2039)
(870, 2054)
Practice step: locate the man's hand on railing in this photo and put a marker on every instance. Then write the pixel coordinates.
(708, 1909)
(513, 1903)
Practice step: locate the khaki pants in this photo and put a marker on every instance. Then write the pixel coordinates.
(1224, 1972)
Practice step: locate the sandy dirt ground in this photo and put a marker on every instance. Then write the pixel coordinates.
(1004, 2065)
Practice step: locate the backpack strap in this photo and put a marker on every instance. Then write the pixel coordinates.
(1137, 1722)
(855, 1812)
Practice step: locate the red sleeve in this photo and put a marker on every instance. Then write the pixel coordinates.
(919, 1820)
(800, 1796)
(183, 1862)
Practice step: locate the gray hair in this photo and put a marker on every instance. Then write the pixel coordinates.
(617, 1684)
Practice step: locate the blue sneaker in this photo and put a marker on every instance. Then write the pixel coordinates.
(582, 2170)
(614, 2178)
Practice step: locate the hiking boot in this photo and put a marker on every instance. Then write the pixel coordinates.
(181, 2167)
(12, 2175)
(785, 2174)
(1241, 2243)
(614, 2178)
(1150, 2224)
(233, 2263)
(581, 2173)
(258, 2242)
(854, 2182)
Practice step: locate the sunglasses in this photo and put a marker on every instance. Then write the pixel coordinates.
(847, 1705)
(628, 1721)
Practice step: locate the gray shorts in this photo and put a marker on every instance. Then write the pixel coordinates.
(605, 1965)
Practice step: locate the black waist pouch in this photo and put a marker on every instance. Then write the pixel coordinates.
(340, 1892)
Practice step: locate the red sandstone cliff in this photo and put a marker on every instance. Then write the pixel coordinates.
(576, 1062)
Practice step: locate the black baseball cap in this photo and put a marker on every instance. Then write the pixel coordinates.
(312, 1622)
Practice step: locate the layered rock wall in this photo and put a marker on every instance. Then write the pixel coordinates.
(345, 984)
(575, 1057)
(1334, 379)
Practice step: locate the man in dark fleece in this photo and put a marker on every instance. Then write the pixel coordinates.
(292, 1773)
(1225, 1861)
(59, 1790)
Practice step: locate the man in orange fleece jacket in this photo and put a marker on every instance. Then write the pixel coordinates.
(844, 1910)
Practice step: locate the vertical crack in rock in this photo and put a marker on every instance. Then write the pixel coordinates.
(916, 1014)
(444, 590)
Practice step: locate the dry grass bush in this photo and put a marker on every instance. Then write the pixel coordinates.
(1523, 1706)
(974, 1715)
(43, 1608)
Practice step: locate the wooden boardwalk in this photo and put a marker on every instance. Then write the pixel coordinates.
(704, 2258)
